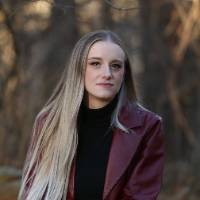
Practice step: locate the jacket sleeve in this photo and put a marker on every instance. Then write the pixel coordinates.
(145, 179)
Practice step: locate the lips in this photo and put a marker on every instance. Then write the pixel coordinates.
(105, 84)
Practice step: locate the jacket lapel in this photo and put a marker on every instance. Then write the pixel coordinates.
(123, 147)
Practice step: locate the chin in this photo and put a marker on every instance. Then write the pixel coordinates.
(106, 97)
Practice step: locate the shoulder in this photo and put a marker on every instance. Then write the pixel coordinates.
(147, 114)
(39, 121)
(41, 116)
(133, 114)
(143, 124)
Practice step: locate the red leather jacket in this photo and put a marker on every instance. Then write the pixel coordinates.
(136, 159)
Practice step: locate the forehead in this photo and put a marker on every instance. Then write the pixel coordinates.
(106, 50)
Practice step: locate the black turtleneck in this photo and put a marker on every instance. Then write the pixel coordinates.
(95, 137)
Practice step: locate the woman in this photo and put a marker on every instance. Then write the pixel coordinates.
(93, 140)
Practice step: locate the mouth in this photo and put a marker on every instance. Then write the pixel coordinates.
(105, 84)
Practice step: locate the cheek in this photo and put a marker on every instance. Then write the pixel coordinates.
(120, 76)
(90, 78)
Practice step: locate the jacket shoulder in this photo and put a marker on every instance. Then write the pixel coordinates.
(134, 115)
(148, 114)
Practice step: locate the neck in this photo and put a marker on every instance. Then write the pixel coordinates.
(98, 114)
(96, 104)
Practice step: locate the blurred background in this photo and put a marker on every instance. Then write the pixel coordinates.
(163, 40)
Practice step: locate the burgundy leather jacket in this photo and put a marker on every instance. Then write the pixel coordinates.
(136, 159)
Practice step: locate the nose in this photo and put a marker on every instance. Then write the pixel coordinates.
(107, 73)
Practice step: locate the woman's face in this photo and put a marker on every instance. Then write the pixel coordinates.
(104, 73)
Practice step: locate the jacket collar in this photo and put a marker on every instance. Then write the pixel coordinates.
(124, 145)
(131, 115)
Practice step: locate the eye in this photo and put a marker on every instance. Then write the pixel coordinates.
(95, 63)
(116, 66)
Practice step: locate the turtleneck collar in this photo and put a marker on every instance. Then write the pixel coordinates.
(100, 113)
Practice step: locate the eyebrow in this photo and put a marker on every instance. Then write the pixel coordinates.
(98, 58)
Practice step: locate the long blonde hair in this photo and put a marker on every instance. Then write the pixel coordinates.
(54, 141)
